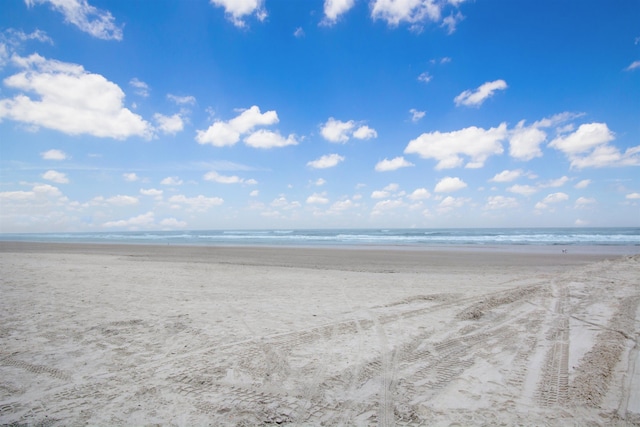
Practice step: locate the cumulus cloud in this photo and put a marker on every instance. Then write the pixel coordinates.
(583, 184)
(393, 164)
(524, 190)
(139, 221)
(130, 176)
(333, 9)
(475, 98)
(386, 205)
(222, 179)
(589, 146)
(379, 194)
(413, 12)
(338, 131)
(551, 199)
(449, 184)
(451, 22)
(419, 194)
(447, 147)
(172, 181)
(237, 10)
(555, 182)
(57, 177)
(633, 196)
(267, 139)
(54, 155)
(365, 132)
(172, 223)
(450, 203)
(507, 176)
(416, 115)
(152, 192)
(198, 203)
(326, 161)
(317, 199)
(500, 202)
(99, 23)
(70, 100)
(169, 124)
(222, 133)
(525, 141)
(584, 202)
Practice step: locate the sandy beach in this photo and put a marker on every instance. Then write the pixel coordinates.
(168, 335)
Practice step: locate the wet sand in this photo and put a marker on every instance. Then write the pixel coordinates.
(176, 335)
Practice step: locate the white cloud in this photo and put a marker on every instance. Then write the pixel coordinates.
(338, 131)
(589, 147)
(583, 184)
(416, 115)
(57, 177)
(555, 182)
(317, 199)
(483, 92)
(583, 202)
(342, 205)
(282, 203)
(152, 192)
(254, 193)
(425, 77)
(393, 164)
(221, 133)
(379, 194)
(54, 155)
(98, 23)
(172, 223)
(501, 202)
(320, 182)
(141, 87)
(524, 142)
(477, 143)
(130, 176)
(449, 184)
(182, 100)
(449, 203)
(633, 66)
(299, 32)
(587, 137)
(386, 205)
(633, 196)
(70, 100)
(365, 132)
(452, 21)
(552, 198)
(169, 124)
(419, 194)
(524, 190)
(326, 161)
(413, 12)
(334, 8)
(507, 176)
(122, 200)
(199, 203)
(267, 139)
(222, 179)
(140, 221)
(581, 222)
(236, 10)
(171, 180)
(47, 190)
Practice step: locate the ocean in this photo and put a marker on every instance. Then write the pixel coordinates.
(413, 237)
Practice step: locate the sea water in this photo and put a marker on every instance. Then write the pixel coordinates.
(414, 237)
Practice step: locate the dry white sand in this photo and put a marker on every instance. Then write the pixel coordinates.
(122, 335)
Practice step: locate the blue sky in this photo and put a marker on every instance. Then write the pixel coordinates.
(133, 115)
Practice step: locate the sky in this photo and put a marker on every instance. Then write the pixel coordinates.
(237, 114)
